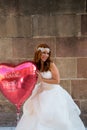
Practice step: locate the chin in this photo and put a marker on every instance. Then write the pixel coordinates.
(43, 60)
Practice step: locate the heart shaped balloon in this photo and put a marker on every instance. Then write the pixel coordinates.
(17, 83)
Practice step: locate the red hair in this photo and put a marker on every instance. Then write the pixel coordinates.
(37, 58)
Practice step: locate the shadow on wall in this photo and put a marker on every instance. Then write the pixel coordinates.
(41, 7)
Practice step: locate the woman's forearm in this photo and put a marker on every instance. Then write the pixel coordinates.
(50, 81)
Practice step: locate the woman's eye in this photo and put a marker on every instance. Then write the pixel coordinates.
(45, 53)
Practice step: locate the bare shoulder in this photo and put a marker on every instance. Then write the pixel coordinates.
(53, 66)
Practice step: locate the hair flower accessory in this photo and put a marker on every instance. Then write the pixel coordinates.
(42, 49)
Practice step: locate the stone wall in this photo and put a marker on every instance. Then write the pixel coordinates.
(59, 23)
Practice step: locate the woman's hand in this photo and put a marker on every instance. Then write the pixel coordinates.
(40, 79)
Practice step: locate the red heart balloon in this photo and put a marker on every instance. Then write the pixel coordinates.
(17, 83)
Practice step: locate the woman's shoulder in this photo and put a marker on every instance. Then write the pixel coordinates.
(52, 64)
(53, 67)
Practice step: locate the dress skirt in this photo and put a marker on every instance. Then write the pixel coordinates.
(50, 107)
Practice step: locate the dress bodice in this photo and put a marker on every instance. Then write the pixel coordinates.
(46, 74)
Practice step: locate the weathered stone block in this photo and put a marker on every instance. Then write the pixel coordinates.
(2, 97)
(79, 89)
(84, 106)
(67, 25)
(43, 25)
(65, 67)
(6, 51)
(69, 6)
(71, 47)
(7, 7)
(24, 47)
(15, 26)
(56, 25)
(66, 84)
(11, 27)
(6, 107)
(3, 26)
(84, 24)
(18, 26)
(29, 7)
(82, 67)
(50, 6)
(8, 119)
(84, 118)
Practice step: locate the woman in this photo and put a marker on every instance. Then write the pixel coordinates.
(50, 107)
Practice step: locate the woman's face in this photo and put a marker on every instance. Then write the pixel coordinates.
(44, 56)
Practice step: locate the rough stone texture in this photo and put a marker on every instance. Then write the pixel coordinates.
(79, 89)
(39, 7)
(43, 25)
(8, 119)
(8, 111)
(71, 47)
(52, 25)
(5, 48)
(24, 47)
(82, 68)
(65, 68)
(7, 7)
(59, 23)
(72, 25)
(79, 92)
(84, 118)
(84, 107)
(2, 26)
(7, 107)
(15, 26)
(18, 26)
(84, 111)
(40, 25)
(20, 7)
(84, 24)
(66, 84)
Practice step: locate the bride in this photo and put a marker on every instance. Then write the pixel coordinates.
(50, 107)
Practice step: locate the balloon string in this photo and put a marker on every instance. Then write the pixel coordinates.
(18, 115)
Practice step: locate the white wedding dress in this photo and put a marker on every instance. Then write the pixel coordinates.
(50, 107)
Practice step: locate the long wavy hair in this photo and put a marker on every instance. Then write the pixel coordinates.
(37, 58)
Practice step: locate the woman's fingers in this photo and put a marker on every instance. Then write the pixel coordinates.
(39, 76)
